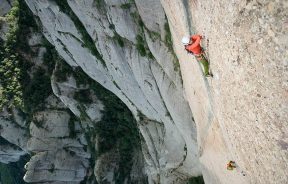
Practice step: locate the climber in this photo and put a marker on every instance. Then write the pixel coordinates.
(231, 165)
(192, 45)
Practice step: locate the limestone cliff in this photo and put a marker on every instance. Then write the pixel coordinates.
(133, 58)
(179, 124)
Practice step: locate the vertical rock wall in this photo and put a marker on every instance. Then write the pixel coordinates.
(136, 63)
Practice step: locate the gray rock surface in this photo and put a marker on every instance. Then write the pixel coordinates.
(5, 6)
(148, 86)
(13, 138)
(240, 114)
(10, 153)
(106, 168)
(55, 166)
(60, 149)
(58, 157)
(8, 127)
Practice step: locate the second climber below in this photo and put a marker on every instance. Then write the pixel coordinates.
(192, 45)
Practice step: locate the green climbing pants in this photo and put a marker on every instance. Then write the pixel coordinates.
(204, 62)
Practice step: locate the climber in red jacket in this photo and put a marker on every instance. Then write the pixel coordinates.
(192, 45)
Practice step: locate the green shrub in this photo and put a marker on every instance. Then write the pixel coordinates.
(112, 26)
(13, 68)
(168, 37)
(80, 76)
(140, 45)
(13, 173)
(62, 71)
(169, 44)
(126, 6)
(150, 55)
(36, 92)
(119, 39)
(50, 57)
(117, 128)
(196, 180)
(71, 125)
(83, 96)
(9, 66)
(99, 4)
(39, 124)
(83, 115)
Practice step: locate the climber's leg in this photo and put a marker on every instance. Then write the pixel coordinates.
(205, 64)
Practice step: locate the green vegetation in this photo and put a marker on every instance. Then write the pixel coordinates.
(83, 96)
(140, 45)
(140, 115)
(169, 44)
(38, 123)
(99, 4)
(117, 129)
(13, 173)
(27, 86)
(50, 57)
(154, 35)
(9, 67)
(119, 39)
(13, 66)
(62, 70)
(83, 114)
(168, 37)
(116, 36)
(87, 40)
(71, 125)
(196, 180)
(112, 26)
(52, 169)
(80, 76)
(137, 19)
(126, 6)
(36, 91)
(5, 174)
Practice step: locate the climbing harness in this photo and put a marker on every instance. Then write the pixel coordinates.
(195, 49)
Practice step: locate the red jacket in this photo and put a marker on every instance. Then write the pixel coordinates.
(195, 47)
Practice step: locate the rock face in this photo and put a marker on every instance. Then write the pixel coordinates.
(136, 64)
(153, 90)
(188, 127)
(240, 112)
(5, 6)
(59, 157)
(58, 139)
(13, 138)
(9, 152)
(4, 9)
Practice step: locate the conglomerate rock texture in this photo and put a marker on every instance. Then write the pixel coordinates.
(240, 113)
(189, 125)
